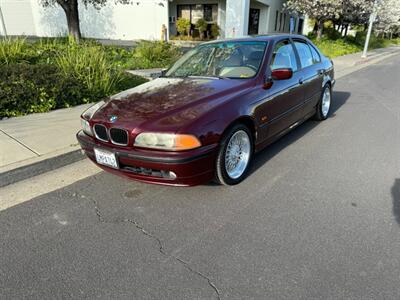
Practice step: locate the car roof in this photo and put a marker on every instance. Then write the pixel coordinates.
(261, 38)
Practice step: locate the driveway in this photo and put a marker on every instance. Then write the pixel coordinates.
(318, 218)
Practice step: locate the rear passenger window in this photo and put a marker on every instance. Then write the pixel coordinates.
(283, 56)
(315, 55)
(305, 55)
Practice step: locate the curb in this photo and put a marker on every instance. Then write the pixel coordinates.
(40, 167)
(376, 58)
(359, 65)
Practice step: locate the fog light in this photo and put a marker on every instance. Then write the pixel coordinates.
(168, 174)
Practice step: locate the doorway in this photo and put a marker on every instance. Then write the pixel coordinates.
(254, 21)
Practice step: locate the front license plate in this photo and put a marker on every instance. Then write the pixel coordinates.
(106, 158)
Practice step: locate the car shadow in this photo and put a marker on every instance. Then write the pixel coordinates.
(339, 99)
(396, 199)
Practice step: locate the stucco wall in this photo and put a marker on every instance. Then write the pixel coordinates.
(141, 20)
(18, 17)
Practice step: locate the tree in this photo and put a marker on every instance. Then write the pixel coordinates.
(355, 12)
(388, 16)
(70, 8)
(320, 11)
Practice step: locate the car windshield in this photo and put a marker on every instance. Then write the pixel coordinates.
(222, 60)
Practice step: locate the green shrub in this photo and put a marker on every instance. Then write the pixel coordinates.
(12, 51)
(215, 30)
(332, 34)
(154, 54)
(201, 25)
(374, 41)
(53, 73)
(89, 65)
(37, 88)
(183, 26)
(28, 89)
(334, 48)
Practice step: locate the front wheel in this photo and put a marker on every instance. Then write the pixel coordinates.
(234, 156)
(324, 104)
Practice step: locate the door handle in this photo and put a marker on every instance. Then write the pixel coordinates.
(301, 81)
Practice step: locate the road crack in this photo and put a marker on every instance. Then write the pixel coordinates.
(160, 246)
(181, 261)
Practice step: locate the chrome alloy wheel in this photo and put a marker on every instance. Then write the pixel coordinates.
(237, 154)
(326, 101)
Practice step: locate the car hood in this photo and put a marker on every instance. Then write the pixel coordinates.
(166, 103)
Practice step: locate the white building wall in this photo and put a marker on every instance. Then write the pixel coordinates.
(237, 18)
(274, 6)
(143, 19)
(18, 17)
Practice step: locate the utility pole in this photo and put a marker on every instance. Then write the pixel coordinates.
(2, 23)
(372, 18)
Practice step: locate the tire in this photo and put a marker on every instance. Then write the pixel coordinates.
(238, 132)
(323, 113)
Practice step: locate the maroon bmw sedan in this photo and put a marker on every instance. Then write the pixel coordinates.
(207, 115)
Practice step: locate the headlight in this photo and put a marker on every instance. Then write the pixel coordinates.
(91, 110)
(167, 141)
(86, 127)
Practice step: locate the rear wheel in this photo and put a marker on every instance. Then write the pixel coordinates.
(234, 156)
(324, 104)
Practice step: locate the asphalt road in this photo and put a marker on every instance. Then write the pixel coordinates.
(318, 218)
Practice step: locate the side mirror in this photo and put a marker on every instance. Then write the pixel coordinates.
(282, 74)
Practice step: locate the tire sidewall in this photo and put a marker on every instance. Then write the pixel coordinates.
(221, 173)
(320, 114)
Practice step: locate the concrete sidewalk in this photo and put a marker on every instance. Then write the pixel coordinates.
(29, 140)
(32, 138)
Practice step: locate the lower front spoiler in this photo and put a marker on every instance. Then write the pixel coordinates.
(189, 167)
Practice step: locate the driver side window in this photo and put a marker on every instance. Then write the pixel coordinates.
(283, 56)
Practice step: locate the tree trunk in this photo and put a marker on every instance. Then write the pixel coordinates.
(70, 8)
(320, 26)
(346, 29)
(315, 27)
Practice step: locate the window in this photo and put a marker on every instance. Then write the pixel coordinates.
(220, 59)
(211, 12)
(284, 22)
(194, 12)
(315, 55)
(305, 55)
(184, 12)
(300, 27)
(283, 56)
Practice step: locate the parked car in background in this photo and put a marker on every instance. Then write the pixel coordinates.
(211, 111)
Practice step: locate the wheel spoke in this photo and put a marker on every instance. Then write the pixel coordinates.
(237, 154)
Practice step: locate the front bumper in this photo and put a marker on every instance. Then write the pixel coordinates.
(190, 167)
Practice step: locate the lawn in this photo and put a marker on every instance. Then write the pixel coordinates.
(333, 45)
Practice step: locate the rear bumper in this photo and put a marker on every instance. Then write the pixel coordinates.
(190, 167)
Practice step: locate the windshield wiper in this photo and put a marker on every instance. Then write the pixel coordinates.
(208, 76)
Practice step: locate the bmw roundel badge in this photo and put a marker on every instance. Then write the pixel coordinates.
(113, 118)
